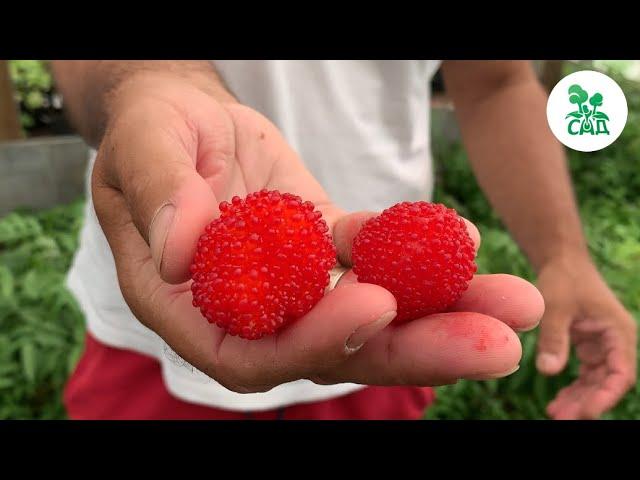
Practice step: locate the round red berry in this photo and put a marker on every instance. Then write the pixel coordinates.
(262, 264)
(421, 252)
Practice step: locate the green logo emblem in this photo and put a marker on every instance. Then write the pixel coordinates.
(583, 119)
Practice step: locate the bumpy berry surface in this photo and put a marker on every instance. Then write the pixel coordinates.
(262, 264)
(421, 252)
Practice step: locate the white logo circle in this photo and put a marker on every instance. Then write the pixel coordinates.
(587, 111)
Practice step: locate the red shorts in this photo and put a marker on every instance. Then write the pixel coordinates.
(114, 384)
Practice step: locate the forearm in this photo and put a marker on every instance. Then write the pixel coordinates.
(522, 169)
(91, 88)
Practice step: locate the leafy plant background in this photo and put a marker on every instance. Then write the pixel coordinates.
(42, 328)
(40, 104)
(607, 185)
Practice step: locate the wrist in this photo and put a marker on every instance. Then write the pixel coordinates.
(573, 259)
(559, 244)
(163, 85)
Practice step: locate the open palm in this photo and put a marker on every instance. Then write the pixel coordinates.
(164, 165)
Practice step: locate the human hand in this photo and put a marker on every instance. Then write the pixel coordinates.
(170, 154)
(583, 311)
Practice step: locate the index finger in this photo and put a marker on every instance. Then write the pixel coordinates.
(435, 350)
(347, 227)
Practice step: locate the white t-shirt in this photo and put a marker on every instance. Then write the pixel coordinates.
(361, 128)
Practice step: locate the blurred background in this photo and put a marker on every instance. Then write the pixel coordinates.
(42, 163)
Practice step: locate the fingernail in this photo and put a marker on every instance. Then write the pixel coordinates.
(366, 332)
(547, 362)
(158, 232)
(493, 376)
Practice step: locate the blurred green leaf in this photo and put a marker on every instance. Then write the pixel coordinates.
(41, 326)
(28, 357)
(6, 284)
(5, 383)
(32, 80)
(34, 100)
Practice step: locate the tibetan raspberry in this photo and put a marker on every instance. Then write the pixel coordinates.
(262, 264)
(421, 252)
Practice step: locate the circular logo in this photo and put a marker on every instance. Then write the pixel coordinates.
(587, 111)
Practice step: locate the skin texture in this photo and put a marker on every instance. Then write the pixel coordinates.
(172, 150)
(522, 169)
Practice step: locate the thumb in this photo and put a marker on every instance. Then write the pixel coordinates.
(553, 341)
(166, 198)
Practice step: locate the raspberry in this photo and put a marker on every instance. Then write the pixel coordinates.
(262, 264)
(421, 252)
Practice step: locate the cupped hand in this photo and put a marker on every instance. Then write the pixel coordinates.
(583, 311)
(170, 154)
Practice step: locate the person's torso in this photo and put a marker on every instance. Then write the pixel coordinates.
(360, 127)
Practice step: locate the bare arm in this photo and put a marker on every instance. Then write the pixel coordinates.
(522, 168)
(90, 87)
(519, 164)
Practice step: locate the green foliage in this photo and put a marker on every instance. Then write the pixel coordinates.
(41, 327)
(629, 69)
(607, 185)
(32, 82)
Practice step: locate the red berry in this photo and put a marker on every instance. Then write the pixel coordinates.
(262, 264)
(421, 252)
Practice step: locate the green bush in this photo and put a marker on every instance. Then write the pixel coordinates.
(33, 85)
(41, 326)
